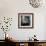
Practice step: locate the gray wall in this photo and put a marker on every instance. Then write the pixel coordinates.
(11, 8)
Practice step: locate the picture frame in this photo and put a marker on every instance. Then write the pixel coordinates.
(25, 20)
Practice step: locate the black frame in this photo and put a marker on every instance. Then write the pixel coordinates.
(24, 14)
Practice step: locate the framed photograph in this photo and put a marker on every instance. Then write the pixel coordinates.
(25, 20)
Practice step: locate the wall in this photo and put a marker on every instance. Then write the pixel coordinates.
(11, 8)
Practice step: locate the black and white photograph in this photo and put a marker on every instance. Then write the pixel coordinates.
(25, 20)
